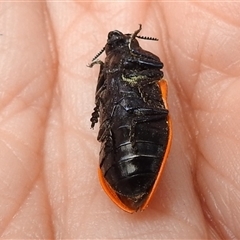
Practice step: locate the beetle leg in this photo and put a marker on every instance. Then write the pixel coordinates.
(97, 61)
(99, 89)
(95, 116)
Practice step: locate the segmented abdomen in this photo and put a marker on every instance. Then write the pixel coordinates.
(130, 165)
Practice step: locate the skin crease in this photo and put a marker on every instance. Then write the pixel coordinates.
(49, 187)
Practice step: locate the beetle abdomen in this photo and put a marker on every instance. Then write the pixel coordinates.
(131, 180)
(131, 169)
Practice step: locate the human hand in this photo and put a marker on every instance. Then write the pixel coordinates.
(49, 155)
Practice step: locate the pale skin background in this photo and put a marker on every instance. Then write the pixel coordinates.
(49, 156)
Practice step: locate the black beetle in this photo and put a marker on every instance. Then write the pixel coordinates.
(135, 129)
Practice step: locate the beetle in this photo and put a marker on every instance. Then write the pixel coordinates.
(135, 128)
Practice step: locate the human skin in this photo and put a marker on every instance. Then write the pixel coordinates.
(49, 187)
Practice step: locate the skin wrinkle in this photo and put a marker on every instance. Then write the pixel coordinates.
(210, 96)
(236, 63)
(51, 35)
(33, 181)
(188, 225)
(193, 117)
(30, 187)
(20, 203)
(170, 55)
(220, 70)
(53, 53)
(20, 160)
(195, 110)
(208, 215)
(20, 144)
(54, 213)
(9, 100)
(213, 199)
(201, 196)
(227, 233)
(214, 127)
(24, 106)
(173, 75)
(227, 149)
(180, 90)
(64, 179)
(7, 221)
(224, 44)
(213, 15)
(49, 207)
(182, 94)
(22, 89)
(230, 84)
(165, 39)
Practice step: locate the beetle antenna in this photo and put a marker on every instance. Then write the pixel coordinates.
(98, 54)
(147, 38)
(134, 35)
